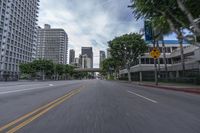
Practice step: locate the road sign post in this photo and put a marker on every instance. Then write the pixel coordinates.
(155, 53)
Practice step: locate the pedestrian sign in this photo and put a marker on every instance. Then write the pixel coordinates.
(155, 53)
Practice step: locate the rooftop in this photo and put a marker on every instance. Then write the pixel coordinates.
(169, 42)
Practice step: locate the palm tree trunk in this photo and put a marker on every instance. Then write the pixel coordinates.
(129, 73)
(155, 65)
(43, 75)
(164, 58)
(189, 15)
(182, 55)
(157, 45)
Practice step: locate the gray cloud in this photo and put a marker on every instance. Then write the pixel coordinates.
(89, 22)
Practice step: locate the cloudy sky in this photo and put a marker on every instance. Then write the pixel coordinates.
(89, 22)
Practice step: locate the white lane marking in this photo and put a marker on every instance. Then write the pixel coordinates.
(142, 97)
(18, 85)
(13, 91)
(51, 85)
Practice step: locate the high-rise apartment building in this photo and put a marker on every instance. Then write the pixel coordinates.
(102, 57)
(88, 51)
(71, 56)
(18, 21)
(52, 44)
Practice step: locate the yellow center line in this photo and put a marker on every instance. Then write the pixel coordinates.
(40, 114)
(37, 110)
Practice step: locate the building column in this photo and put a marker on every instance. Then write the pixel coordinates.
(199, 67)
(177, 74)
(140, 64)
(171, 75)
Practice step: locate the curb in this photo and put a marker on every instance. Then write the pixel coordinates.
(188, 90)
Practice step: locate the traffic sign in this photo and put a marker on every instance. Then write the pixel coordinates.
(155, 53)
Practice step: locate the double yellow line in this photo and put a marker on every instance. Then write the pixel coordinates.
(28, 118)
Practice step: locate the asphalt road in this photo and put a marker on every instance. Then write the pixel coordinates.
(95, 106)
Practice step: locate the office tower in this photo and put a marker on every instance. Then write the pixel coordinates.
(18, 24)
(52, 44)
(71, 56)
(88, 51)
(102, 57)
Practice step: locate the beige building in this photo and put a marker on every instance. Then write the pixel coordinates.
(52, 44)
(85, 62)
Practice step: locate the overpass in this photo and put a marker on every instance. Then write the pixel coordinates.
(88, 70)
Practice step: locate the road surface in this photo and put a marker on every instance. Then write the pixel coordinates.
(95, 106)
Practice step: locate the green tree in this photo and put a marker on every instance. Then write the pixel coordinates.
(44, 67)
(27, 69)
(160, 24)
(69, 70)
(174, 13)
(126, 49)
(59, 70)
(180, 14)
(109, 66)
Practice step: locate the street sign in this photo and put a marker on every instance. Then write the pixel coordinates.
(148, 30)
(155, 53)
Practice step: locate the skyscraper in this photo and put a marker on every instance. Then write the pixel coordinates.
(102, 57)
(52, 44)
(71, 56)
(88, 51)
(17, 35)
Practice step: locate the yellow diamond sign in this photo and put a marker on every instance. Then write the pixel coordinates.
(155, 53)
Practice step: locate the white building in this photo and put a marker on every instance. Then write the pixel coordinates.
(52, 44)
(173, 56)
(18, 21)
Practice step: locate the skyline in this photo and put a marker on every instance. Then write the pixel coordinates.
(89, 25)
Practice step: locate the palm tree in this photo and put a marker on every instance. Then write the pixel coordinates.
(164, 29)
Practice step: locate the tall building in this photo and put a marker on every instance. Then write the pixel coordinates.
(52, 44)
(17, 35)
(72, 56)
(102, 57)
(88, 51)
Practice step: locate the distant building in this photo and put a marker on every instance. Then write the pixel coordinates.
(52, 44)
(72, 56)
(101, 58)
(85, 61)
(18, 25)
(89, 52)
(77, 63)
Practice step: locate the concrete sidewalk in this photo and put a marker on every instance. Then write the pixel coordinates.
(171, 86)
